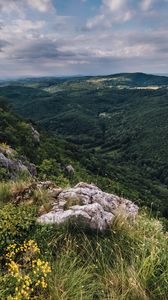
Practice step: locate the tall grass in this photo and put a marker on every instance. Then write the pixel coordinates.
(129, 262)
(5, 192)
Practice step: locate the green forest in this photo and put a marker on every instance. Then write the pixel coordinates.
(116, 127)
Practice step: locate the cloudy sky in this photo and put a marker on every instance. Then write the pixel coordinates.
(68, 37)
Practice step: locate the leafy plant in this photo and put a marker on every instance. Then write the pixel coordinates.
(27, 272)
(15, 223)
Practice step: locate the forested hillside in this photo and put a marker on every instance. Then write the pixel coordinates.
(29, 143)
(118, 124)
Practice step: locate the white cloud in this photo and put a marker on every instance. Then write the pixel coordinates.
(111, 12)
(94, 22)
(17, 31)
(114, 5)
(41, 5)
(146, 4)
(8, 6)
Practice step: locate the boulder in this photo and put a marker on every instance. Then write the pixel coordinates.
(35, 134)
(87, 206)
(4, 161)
(12, 165)
(15, 165)
(32, 168)
(69, 171)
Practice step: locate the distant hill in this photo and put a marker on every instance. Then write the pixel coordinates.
(141, 78)
(119, 121)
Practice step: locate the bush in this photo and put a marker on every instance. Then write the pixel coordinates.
(4, 174)
(27, 273)
(15, 223)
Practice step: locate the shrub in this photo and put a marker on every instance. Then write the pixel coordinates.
(15, 223)
(4, 174)
(26, 272)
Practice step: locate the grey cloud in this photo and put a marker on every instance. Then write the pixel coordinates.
(90, 49)
(41, 49)
(9, 5)
(3, 44)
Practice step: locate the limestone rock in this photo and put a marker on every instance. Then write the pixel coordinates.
(87, 206)
(54, 192)
(69, 171)
(87, 216)
(32, 168)
(15, 165)
(35, 134)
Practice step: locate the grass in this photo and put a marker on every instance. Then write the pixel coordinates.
(71, 279)
(130, 262)
(5, 147)
(5, 192)
(8, 189)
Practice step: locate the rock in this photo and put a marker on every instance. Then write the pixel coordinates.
(15, 165)
(4, 161)
(87, 206)
(12, 165)
(32, 168)
(69, 171)
(35, 134)
(87, 216)
(53, 193)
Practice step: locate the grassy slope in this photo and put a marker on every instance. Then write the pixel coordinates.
(128, 262)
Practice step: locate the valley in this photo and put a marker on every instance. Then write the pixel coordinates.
(118, 123)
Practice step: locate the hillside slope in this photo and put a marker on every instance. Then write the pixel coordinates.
(24, 141)
(120, 122)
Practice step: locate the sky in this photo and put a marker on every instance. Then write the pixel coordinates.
(82, 37)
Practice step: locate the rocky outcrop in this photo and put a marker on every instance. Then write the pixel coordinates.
(11, 164)
(87, 206)
(69, 171)
(35, 134)
(15, 165)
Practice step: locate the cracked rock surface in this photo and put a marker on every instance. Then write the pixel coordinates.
(87, 206)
